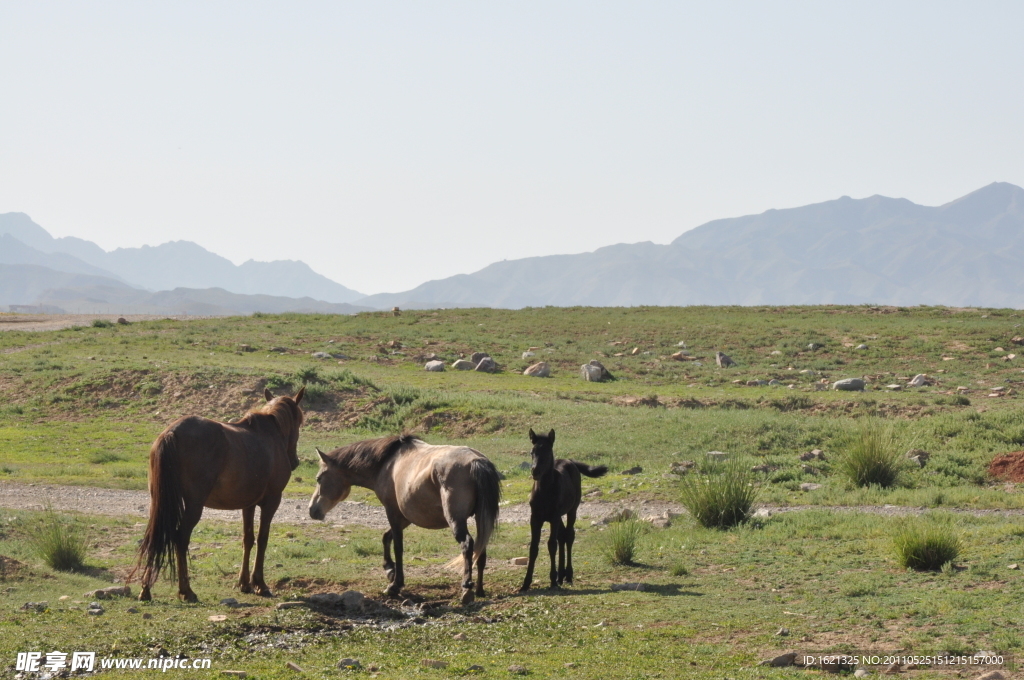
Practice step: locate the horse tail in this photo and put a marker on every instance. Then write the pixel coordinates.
(590, 470)
(166, 510)
(488, 496)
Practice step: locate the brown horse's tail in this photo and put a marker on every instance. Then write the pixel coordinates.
(166, 509)
(488, 496)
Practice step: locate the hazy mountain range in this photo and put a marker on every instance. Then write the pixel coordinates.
(872, 250)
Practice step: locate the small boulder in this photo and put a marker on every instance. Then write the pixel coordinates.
(629, 586)
(781, 660)
(326, 599)
(529, 355)
(350, 664)
(919, 380)
(435, 366)
(809, 486)
(723, 360)
(463, 365)
(477, 356)
(519, 561)
(862, 346)
(717, 455)
(861, 673)
(814, 346)
(321, 355)
(539, 370)
(353, 599)
(434, 663)
(486, 365)
(849, 385)
(991, 675)
(230, 602)
(517, 670)
(635, 470)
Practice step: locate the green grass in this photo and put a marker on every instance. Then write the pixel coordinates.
(722, 497)
(926, 545)
(622, 541)
(60, 542)
(872, 458)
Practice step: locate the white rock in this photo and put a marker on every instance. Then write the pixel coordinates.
(919, 380)
(809, 486)
(849, 385)
(591, 373)
(463, 365)
(486, 365)
(353, 599)
(529, 355)
(434, 366)
(539, 370)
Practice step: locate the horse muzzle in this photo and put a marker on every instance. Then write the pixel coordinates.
(316, 513)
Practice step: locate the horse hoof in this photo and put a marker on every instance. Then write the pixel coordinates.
(145, 596)
(264, 592)
(392, 591)
(524, 588)
(467, 596)
(480, 592)
(245, 587)
(390, 573)
(188, 597)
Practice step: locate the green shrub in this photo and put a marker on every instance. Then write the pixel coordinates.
(925, 545)
(871, 457)
(721, 498)
(101, 457)
(60, 543)
(622, 540)
(679, 570)
(365, 548)
(101, 323)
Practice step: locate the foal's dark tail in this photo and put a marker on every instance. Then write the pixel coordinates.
(590, 470)
(488, 495)
(166, 509)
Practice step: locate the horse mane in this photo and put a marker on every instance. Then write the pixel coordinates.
(284, 410)
(372, 453)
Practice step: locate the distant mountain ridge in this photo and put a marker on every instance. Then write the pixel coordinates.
(851, 251)
(170, 265)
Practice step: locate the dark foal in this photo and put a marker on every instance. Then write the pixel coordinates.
(556, 492)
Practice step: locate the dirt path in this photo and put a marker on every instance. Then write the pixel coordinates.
(118, 502)
(56, 322)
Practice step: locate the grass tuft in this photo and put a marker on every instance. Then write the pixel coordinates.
(871, 458)
(623, 541)
(926, 546)
(721, 498)
(60, 543)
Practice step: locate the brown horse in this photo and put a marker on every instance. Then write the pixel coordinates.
(198, 463)
(430, 486)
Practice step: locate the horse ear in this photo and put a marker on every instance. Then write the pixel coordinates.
(551, 436)
(533, 436)
(323, 456)
(301, 393)
(266, 394)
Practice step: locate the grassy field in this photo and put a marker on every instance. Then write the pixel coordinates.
(81, 406)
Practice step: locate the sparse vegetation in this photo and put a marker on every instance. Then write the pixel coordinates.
(622, 540)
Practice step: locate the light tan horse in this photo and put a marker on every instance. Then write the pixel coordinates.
(433, 487)
(197, 462)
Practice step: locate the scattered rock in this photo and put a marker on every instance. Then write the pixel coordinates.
(717, 455)
(147, 615)
(919, 380)
(434, 663)
(326, 599)
(463, 365)
(434, 366)
(991, 675)
(1013, 566)
(294, 667)
(814, 346)
(230, 601)
(773, 383)
(781, 661)
(635, 470)
(814, 454)
(123, 321)
(862, 346)
(782, 632)
(34, 606)
(217, 618)
(756, 383)
(628, 586)
(681, 467)
(292, 604)
(919, 456)
(723, 360)
(529, 355)
(246, 348)
(233, 674)
(460, 637)
(321, 355)
(477, 356)
(762, 468)
(809, 486)
(517, 670)
(350, 664)
(539, 370)
(108, 593)
(849, 385)
(132, 610)
(894, 388)
(353, 599)
(861, 673)
(808, 470)
(486, 365)
(519, 561)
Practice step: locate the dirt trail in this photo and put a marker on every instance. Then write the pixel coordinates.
(118, 502)
(56, 322)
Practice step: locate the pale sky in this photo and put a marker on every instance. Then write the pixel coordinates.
(387, 144)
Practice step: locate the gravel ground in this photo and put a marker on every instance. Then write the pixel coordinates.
(118, 502)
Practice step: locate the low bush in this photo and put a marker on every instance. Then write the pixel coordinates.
(871, 457)
(924, 545)
(721, 498)
(60, 543)
(622, 541)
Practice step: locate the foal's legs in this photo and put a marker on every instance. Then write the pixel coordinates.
(481, 562)
(267, 509)
(568, 538)
(248, 538)
(465, 539)
(556, 531)
(397, 574)
(536, 526)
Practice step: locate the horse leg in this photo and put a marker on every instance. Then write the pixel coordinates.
(570, 538)
(561, 556)
(481, 562)
(188, 522)
(248, 538)
(465, 539)
(389, 564)
(556, 526)
(267, 509)
(399, 581)
(536, 526)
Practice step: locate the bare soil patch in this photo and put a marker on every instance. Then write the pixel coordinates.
(1008, 467)
(56, 322)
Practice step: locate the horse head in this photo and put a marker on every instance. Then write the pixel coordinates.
(332, 487)
(543, 454)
